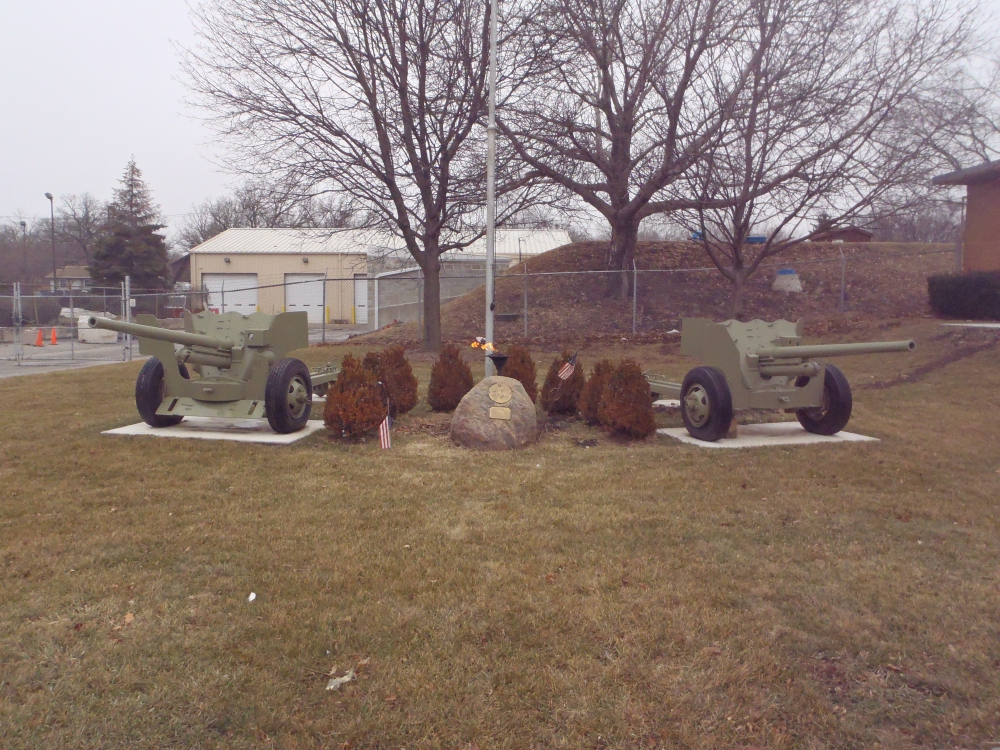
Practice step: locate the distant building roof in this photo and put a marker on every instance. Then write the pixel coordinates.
(369, 242)
(971, 175)
(292, 241)
(71, 272)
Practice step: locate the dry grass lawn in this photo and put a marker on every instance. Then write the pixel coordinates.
(615, 596)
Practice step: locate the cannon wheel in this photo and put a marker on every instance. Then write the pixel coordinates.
(150, 390)
(834, 414)
(288, 396)
(706, 403)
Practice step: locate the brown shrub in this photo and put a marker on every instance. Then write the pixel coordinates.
(593, 389)
(626, 407)
(562, 396)
(521, 367)
(393, 371)
(451, 379)
(355, 402)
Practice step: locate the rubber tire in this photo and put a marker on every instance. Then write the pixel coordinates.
(149, 393)
(276, 408)
(839, 402)
(720, 400)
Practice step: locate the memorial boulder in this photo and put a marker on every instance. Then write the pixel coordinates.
(495, 415)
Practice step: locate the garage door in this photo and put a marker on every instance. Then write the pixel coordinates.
(360, 298)
(231, 292)
(304, 291)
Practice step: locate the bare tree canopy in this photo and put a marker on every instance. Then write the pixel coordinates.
(659, 107)
(636, 92)
(828, 121)
(80, 221)
(376, 99)
(260, 204)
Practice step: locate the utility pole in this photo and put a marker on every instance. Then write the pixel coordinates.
(24, 251)
(52, 232)
(491, 158)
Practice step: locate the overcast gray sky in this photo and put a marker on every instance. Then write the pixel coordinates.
(86, 84)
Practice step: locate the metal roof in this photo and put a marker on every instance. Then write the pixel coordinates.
(971, 175)
(370, 242)
(296, 242)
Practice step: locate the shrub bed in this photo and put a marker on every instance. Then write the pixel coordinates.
(593, 389)
(393, 371)
(451, 379)
(355, 403)
(521, 367)
(562, 396)
(625, 407)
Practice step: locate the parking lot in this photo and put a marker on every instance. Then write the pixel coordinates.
(72, 355)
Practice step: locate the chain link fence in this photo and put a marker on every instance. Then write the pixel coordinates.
(527, 303)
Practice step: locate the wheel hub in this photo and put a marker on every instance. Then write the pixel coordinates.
(298, 397)
(697, 405)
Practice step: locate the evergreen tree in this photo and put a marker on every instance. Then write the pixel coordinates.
(129, 244)
(138, 252)
(132, 203)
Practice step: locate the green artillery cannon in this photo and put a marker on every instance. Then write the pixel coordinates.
(760, 365)
(241, 366)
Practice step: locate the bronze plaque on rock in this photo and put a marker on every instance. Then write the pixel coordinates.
(500, 412)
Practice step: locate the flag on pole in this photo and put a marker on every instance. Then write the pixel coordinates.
(384, 438)
(566, 371)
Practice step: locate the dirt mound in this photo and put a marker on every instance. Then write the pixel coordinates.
(676, 280)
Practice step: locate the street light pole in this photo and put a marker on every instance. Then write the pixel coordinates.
(52, 233)
(491, 157)
(24, 251)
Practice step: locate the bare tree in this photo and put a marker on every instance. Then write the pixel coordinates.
(80, 221)
(825, 124)
(260, 204)
(375, 99)
(636, 92)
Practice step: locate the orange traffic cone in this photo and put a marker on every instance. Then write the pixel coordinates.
(54, 341)
(40, 341)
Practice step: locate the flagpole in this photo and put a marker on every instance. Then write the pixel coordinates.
(491, 157)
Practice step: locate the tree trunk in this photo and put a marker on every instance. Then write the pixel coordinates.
(739, 282)
(432, 304)
(624, 235)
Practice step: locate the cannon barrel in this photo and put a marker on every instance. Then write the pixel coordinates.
(834, 350)
(162, 334)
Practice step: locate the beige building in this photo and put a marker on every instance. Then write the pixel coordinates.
(323, 272)
(357, 276)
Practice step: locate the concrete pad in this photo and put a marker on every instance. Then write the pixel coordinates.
(212, 428)
(972, 325)
(767, 435)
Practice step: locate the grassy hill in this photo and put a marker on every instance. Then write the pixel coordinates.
(676, 280)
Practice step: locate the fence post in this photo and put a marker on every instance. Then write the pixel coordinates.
(72, 325)
(635, 293)
(525, 265)
(16, 303)
(128, 314)
(324, 306)
(843, 281)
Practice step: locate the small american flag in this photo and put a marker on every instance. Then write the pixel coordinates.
(566, 371)
(383, 432)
